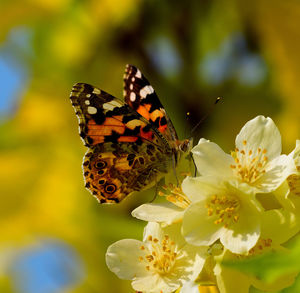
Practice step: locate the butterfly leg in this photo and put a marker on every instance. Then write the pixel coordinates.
(156, 191)
(195, 172)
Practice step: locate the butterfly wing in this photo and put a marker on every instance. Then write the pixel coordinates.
(140, 96)
(104, 118)
(112, 171)
(125, 151)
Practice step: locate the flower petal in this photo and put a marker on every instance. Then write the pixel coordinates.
(190, 262)
(198, 188)
(122, 258)
(242, 236)
(230, 280)
(154, 230)
(210, 159)
(197, 227)
(154, 283)
(276, 172)
(262, 133)
(165, 212)
(190, 287)
(279, 225)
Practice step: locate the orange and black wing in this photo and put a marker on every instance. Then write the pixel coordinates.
(140, 96)
(104, 118)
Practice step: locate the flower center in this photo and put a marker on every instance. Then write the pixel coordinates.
(294, 184)
(225, 208)
(249, 165)
(162, 255)
(175, 195)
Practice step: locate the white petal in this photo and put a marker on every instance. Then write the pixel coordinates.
(210, 159)
(199, 188)
(260, 132)
(154, 283)
(243, 235)
(245, 193)
(190, 262)
(174, 233)
(190, 287)
(197, 227)
(122, 258)
(276, 172)
(240, 240)
(158, 212)
(279, 225)
(153, 229)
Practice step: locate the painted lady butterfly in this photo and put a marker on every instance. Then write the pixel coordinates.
(131, 145)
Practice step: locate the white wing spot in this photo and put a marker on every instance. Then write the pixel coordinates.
(133, 79)
(132, 97)
(111, 105)
(92, 110)
(87, 102)
(138, 74)
(88, 95)
(146, 90)
(131, 86)
(96, 91)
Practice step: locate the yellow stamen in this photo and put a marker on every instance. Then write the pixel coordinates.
(224, 208)
(249, 166)
(162, 256)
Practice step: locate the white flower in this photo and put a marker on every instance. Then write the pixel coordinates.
(256, 160)
(162, 262)
(220, 210)
(166, 213)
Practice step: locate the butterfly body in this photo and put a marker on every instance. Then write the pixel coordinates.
(131, 145)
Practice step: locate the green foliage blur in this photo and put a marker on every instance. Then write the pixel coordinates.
(246, 52)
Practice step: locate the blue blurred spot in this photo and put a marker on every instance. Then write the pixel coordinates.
(214, 69)
(233, 61)
(252, 70)
(164, 56)
(12, 80)
(13, 72)
(21, 39)
(48, 268)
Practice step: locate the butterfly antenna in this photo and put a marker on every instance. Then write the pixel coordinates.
(207, 114)
(187, 118)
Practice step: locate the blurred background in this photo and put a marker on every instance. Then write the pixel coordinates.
(54, 234)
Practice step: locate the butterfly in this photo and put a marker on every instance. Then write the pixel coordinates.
(131, 144)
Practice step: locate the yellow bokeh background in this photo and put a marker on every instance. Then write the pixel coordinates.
(182, 47)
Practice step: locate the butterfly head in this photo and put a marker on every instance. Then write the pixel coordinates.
(186, 145)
